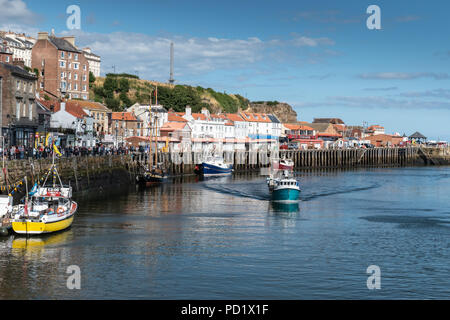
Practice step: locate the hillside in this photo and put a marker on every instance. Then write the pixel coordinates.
(118, 91)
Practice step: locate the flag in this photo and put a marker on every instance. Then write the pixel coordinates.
(33, 190)
(25, 209)
(55, 148)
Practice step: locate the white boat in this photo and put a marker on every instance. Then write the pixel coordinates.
(49, 209)
(214, 166)
(284, 187)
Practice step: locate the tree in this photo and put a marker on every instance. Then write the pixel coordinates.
(91, 79)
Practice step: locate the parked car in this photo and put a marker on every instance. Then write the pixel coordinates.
(284, 147)
(368, 145)
(293, 146)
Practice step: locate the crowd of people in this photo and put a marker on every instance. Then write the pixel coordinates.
(42, 152)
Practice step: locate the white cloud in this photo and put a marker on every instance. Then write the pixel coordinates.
(403, 75)
(16, 12)
(369, 102)
(131, 52)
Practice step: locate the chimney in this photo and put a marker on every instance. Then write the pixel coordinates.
(70, 39)
(188, 111)
(19, 63)
(205, 111)
(42, 35)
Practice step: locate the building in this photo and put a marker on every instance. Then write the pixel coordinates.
(298, 131)
(385, 140)
(94, 62)
(375, 130)
(155, 120)
(6, 54)
(417, 137)
(71, 120)
(328, 120)
(124, 125)
(19, 119)
(99, 114)
(20, 46)
(63, 68)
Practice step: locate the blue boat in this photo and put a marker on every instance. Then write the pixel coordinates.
(284, 188)
(214, 167)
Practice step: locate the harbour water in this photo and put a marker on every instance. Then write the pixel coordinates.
(223, 239)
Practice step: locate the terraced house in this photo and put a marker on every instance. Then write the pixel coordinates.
(100, 115)
(19, 118)
(63, 68)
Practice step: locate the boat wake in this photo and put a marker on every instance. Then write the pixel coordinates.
(258, 190)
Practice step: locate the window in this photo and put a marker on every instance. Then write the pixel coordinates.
(31, 88)
(17, 109)
(42, 85)
(63, 85)
(76, 56)
(75, 86)
(84, 77)
(75, 76)
(75, 66)
(18, 85)
(30, 111)
(70, 75)
(62, 75)
(62, 64)
(70, 55)
(7, 58)
(84, 87)
(84, 67)
(62, 54)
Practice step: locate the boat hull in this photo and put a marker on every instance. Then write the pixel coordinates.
(209, 170)
(285, 194)
(36, 227)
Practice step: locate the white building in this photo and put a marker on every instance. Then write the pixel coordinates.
(73, 117)
(159, 116)
(20, 45)
(94, 61)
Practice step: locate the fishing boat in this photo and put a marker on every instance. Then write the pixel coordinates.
(152, 174)
(214, 166)
(48, 208)
(283, 187)
(151, 177)
(284, 164)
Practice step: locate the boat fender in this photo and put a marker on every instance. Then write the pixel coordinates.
(60, 211)
(4, 231)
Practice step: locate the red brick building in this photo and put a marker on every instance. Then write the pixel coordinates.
(63, 68)
(6, 55)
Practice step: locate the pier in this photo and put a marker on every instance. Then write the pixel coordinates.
(98, 172)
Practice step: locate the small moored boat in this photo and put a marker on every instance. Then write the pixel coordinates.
(214, 166)
(50, 208)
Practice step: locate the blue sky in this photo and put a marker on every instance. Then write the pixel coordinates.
(318, 56)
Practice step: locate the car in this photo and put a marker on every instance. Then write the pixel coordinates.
(293, 146)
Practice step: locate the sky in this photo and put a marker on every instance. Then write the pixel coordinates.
(318, 56)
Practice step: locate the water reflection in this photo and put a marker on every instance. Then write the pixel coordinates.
(286, 207)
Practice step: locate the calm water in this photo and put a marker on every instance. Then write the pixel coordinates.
(223, 239)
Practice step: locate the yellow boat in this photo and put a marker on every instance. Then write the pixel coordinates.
(38, 222)
(50, 208)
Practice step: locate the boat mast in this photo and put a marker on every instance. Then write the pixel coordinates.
(150, 154)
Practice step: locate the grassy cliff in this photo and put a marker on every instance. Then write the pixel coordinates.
(120, 91)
